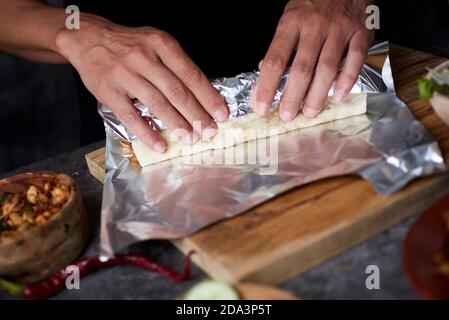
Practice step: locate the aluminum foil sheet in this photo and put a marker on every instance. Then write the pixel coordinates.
(386, 146)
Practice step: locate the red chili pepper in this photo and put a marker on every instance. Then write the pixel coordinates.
(56, 282)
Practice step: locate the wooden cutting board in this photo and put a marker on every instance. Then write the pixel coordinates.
(301, 228)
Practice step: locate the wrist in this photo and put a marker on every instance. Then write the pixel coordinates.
(53, 20)
(70, 43)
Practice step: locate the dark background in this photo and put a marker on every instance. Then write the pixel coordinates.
(40, 105)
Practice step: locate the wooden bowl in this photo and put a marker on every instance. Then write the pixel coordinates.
(34, 254)
(439, 102)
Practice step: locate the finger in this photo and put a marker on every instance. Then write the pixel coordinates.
(174, 57)
(130, 117)
(358, 48)
(179, 97)
(151, 97)
(274, 65)
(324, 74)
(301, 74)
(184, 101)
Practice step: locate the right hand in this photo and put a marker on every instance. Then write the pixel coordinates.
(118, 64)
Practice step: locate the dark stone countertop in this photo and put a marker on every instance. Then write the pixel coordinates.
(342, 277)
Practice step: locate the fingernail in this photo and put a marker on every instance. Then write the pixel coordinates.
(261, 108)
(220, 115)
(339, 95)
(191, 137)
(310, 112)
(286, 115)
(208, 133)
(159, 147)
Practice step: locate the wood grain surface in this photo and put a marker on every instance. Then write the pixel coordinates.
(254, 291)
(305, 226)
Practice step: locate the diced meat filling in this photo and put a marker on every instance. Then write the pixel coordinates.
(39, 203)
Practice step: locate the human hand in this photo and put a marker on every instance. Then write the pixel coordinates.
(319, 31)
(118, 64)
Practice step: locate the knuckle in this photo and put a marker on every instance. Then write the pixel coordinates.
(178, 92)
(274, 63)
(329, 64)
(303, 68)
(359, 52)
(154, 101)
(136, 54)
(118, 71)
(319, 21)
(263, 92)
(349, 78)
(103, 89)
(192, 77)
(129, 117)
(289, 19)
(156, 108)
(345, 22)
(162, 40)
(216, 102)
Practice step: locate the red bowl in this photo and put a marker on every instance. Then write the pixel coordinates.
(427, 236)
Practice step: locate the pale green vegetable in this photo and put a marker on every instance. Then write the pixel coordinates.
(212, 290)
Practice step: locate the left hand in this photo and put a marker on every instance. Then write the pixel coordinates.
(319, 31)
